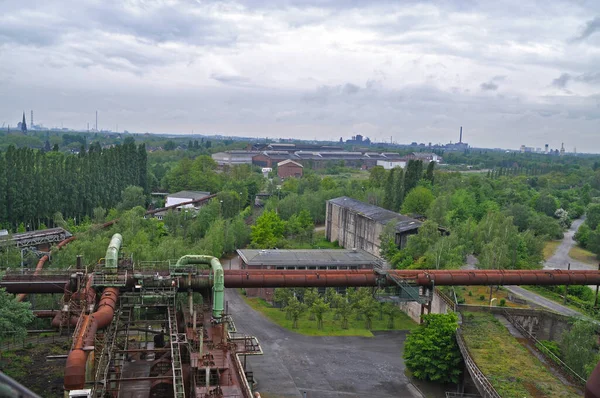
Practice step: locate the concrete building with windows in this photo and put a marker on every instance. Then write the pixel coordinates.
(326, 259)
(231, 158)
(355, 224)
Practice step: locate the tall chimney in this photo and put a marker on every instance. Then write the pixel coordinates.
(460, 141)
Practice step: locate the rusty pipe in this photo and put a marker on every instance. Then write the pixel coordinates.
(43, 260)
(299, 278)
(76, 361)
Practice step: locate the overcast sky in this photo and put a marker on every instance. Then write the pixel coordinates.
(510, 72)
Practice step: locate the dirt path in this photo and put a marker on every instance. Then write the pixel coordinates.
(560, 259)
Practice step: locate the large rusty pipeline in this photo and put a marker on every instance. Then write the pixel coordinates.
(298, 278)
(76, 361)
(43, 260)
(333, 278)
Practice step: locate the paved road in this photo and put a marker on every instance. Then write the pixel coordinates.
(542, 301)
(561, 258)
(328, 367)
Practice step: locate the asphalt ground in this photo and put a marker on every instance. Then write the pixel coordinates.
(327, 367)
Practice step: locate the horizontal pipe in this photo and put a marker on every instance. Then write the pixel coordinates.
(298, 278)
(333, 278)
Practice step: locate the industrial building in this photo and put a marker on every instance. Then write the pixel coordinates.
(289, 168)
(231, 158)
(354, 224)
(185, 196)
(325, 259)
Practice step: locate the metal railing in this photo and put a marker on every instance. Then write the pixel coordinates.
(483, 385)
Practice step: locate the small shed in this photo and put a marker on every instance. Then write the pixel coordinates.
(289, 168)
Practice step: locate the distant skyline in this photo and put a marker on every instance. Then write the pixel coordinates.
(511, 72)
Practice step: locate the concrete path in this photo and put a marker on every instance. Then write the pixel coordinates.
(328, 367)
(560, 259)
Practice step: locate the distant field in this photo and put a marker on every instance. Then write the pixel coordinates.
(331, 327)
(585, 256)
(508, 365)
(550, 248)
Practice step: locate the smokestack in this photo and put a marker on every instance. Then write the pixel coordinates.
(96, 120)
(460, 141)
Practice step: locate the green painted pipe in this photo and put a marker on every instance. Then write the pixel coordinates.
(218, 285)
(111, 259)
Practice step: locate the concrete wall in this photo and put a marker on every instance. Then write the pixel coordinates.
(542, 324)
(352, 230)
(438, 306)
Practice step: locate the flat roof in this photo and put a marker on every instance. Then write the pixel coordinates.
(192, 195)
(378, 214)
(316, 257)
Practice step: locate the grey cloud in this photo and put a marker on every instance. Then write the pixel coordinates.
(591, 27)
(489, 86)
(588, 77)
(561, 81)
(233, 80)
(350, 88)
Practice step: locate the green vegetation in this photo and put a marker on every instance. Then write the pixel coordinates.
(583, 255)
(508, 365)
(353, 314)
(550, 248)
(431, 351)
(579, 348)
(14, 317)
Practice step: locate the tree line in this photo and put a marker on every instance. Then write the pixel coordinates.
(35, 184)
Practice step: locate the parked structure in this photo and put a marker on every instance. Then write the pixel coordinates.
(354, 224)
(289, 168)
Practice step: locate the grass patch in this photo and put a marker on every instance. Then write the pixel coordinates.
(550, 248)
(509, 366)
(477, 291)
(582, 255)
(558, 298)
(330, 326)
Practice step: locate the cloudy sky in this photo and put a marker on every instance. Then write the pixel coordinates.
(511, 72)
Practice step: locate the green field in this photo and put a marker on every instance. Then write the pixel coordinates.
(330, 326)
(508, 365)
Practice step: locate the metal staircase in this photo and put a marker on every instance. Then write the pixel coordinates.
(176, 339)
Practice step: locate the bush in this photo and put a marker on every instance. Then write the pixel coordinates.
(431, 351)
(470, 293)
(502, 303)
(482, 297)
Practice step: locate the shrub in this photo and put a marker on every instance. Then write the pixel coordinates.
(482, 297)
(502, 303)
(470, 293)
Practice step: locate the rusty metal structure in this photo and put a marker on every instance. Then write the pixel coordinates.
(163, 330)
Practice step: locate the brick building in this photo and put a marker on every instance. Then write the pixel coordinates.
(289, 168)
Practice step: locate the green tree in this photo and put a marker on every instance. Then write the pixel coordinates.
(414, 172)
(14, 316)
(343, 310)
(282, 296)
(310, 296)
(294, 310)
(417, 201)
(318, 308)
(131, 197)
(377, 177)
(546, 204)
(368, 308)
(579, 347)
(429, 172)
(267, 231)
(391, 311)
(593, 215)
(388, 196)
(431, 352)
